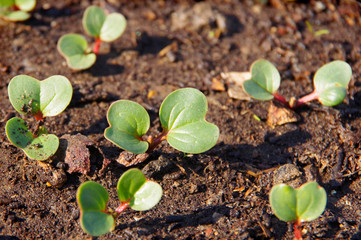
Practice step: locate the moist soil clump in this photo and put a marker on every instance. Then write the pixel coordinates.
(167, 45)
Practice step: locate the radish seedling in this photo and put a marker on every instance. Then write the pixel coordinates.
(298, 205)
(16, 10)
(182, 117)
(40, 99)
(330, 82)
(97, 24)
(134, 190)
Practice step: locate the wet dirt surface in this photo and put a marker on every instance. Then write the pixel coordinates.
(219, 194)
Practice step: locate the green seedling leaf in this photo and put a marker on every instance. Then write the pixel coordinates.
(21, 14)
(92, 199)
(331, 82)
(264, 82)
(303, 204)
(113, 27)
(128, 122)
(75, 49)
(182, 115)
(97, 24)
(93, 20)
(40, 148)
(45, 98)
(141, 194)
(16, 16)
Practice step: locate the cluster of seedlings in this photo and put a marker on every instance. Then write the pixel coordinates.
(16, 10)
(182, 118)
(102, 27)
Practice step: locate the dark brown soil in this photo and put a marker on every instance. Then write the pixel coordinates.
(220, 194)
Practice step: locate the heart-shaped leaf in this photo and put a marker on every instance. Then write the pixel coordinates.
(331, 82)
(182, 115)
(46, 98)
(75, 49)
(97, 24)
(39, 148)
(303, 204)
(128, 122)
(264, 82)
(92, 199)
(134, 188)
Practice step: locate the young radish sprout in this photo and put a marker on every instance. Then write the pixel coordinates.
(182, 117)
(104, 28)
(16, 10)
(134, 190)
(39, 99)
(298, 205)
(330, 84)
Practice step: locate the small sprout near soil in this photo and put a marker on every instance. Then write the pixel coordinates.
(40, 99)
(104, 28)
(182, 117)
(330, 83)
(134, 190)
(298, 205)
(16, 10)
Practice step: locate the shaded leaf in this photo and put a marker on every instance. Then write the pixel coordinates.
(93, 20)
(128, 122)
(74, 48)
(92, 199)
(40, 148)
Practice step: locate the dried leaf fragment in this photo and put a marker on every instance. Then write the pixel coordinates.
(235, 81)
(279, 115)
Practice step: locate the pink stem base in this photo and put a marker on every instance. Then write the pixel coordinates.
(121, 207)
(308, 98)
(297, 231)
(97, 45)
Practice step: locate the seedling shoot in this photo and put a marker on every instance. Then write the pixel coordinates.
(298, 205)
(39, 99)
(134, 191)
(330, 84)
(182, 117)
(104, 28)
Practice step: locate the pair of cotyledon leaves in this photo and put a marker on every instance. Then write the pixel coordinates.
(330, 81)
(32, 97)
(96, 23)
(298, 205)
(23, 6)
(182, 116)
(133, 188)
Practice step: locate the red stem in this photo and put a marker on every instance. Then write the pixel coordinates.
(39, 116)
(156, 141)
(308, 98)
(297, 231)
(121, 207)
(280, 98)
(96, 45)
